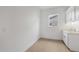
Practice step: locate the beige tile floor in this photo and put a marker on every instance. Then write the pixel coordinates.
(47, 45)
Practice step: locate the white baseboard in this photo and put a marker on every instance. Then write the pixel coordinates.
(51, 38)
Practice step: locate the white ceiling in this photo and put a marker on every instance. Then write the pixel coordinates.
(49, 7)
(46, 7)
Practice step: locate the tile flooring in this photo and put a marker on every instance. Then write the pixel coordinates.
(48, 45)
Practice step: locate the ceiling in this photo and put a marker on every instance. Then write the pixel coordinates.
(51, 7)
(46, 7)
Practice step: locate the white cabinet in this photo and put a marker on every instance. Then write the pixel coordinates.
(71, 34)
(77, 12)
(71, 39)
(70, 15)
(74, 41)
(65, 38)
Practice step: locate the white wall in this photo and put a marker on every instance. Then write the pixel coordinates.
(19, 28)
(53, 32)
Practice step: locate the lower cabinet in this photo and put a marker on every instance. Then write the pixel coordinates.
(71, 40)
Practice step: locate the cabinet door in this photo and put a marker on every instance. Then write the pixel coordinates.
(65, 38)
(77, 12)
(70, 15)
(74, 42)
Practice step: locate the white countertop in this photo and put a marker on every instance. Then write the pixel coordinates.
(71, 32)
